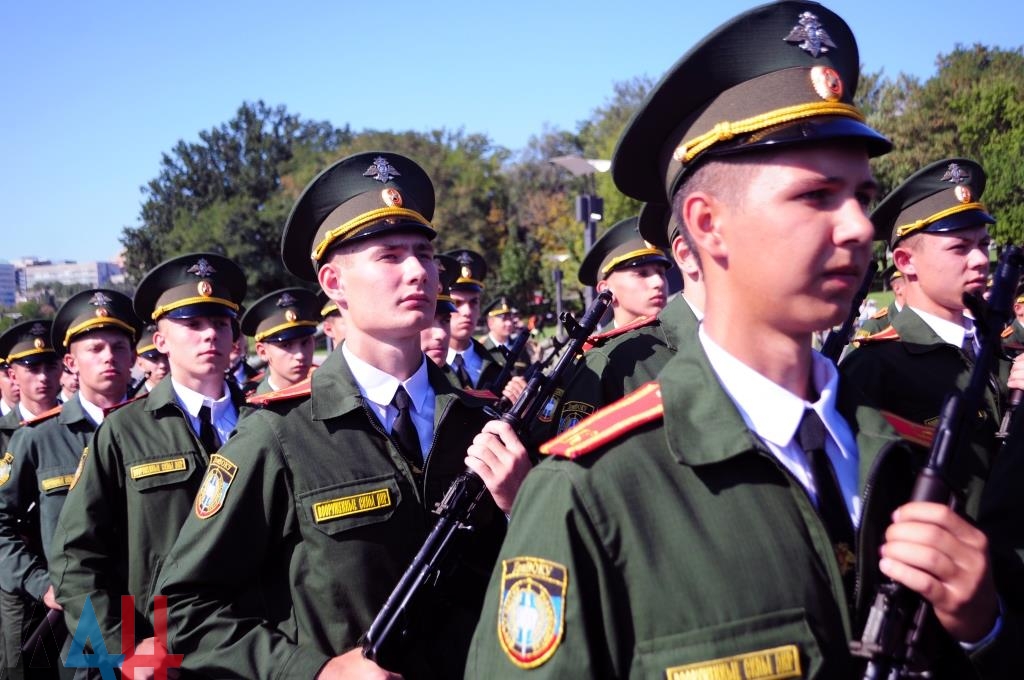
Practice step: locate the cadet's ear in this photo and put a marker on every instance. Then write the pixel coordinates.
(701, 215)
(332, 281)
(903, 258)
(69, 361)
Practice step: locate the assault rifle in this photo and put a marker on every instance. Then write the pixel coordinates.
(383, 641)
(893, 632)
(838, 339)
(511, 357)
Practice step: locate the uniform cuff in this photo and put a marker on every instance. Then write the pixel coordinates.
(992, 634)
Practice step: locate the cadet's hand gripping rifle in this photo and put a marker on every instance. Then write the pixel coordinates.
(382, 642)
(892, 634)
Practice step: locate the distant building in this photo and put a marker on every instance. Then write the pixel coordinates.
(91, 274)
(8, 284)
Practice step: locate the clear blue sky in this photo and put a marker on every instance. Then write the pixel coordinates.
(95, 92)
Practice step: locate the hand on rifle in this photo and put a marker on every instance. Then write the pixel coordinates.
(513, 388)
(934, 551)
(352, 664)
(500, 459)
(50, 600)
(1016, 381)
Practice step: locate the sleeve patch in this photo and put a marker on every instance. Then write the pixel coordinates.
(214, 488)
(531, 618)
(6, 463)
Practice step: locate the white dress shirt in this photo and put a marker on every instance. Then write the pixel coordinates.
(378, 388)
(774, 413)
(223, 413)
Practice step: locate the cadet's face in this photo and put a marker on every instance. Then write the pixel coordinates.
(946, 266)
(199, 347)
(434, 340)
(639, 291)
(8, 387)
(388, 285)
(334, 328)
(39, 383)
(102, 360)
(797, 241)
(68, 382)
(467, 311)
(153, 369)
(289, 361)
(500, 326)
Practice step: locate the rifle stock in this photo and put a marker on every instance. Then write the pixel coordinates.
(383, 641)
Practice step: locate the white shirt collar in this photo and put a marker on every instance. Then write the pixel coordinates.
(94, 412)
(192, 401)
(380, 387)
(950, 332)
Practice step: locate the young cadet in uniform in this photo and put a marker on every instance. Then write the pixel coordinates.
(498, 316)
(95, 330)
(619, 361)
(33, 366)
(283, 323)
(312, 512)
(334, 324)
(1013, 335)
(150, 362)
(68, 385)
(632, 269)
(469, 359)
(937, 229)
(9, 392)
(690, 538)
(137, 480)
(880, 320)
(435, 338)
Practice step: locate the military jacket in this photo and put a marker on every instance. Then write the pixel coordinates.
(611, 369)
(1013, 338)
(319, 518)
(8, 424)
(684, 550)
(46, 453)
(491, 366)
(877, 322)
(264, 385)
(132, 490)
(911, 375)
(499, 353)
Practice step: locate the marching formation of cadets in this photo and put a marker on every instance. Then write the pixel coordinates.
(692, 502)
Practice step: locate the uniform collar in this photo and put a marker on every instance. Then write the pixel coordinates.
(380, 387)
(949, 332)
(192, 401)
(78, 407)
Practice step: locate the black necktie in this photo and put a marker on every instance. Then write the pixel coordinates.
(404, 432)
(207, 435)
(831, 506)
(459, 366)
(968, 345)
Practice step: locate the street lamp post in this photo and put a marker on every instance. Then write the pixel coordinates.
(589, 206)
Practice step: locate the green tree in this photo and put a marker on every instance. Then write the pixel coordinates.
(225, 193)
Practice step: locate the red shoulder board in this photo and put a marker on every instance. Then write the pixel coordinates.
(881, 314)
(481, 394)
(600, 338)
(110, 410)
(1007, 332)
(45, 415)
(887, 333)
(909, 430)
(299, 389)
(635, 409)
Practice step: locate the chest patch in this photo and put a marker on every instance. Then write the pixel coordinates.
(357, 504)
(572, 413)
(532, 613)
(776, 663)
(52, 483)
(160, 467)
(214, 488)
(5, 467)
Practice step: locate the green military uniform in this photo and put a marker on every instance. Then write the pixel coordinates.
(471, 275)
(877, 322)
(312, 512)
(1013, 338)
(138, 478)
(682, 546)
(614, 368)
(278, 317)
(322, 572)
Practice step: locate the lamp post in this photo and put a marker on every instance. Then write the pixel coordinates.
(589, 206)
(557, 276)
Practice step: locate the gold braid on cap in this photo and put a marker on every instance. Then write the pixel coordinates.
(726, 130)
(97, 321)
(631, 255)
(163, 309)
(28, 353)
(905, 229)
(362, 220)
(281, 327)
